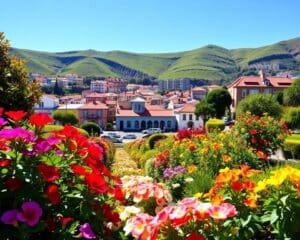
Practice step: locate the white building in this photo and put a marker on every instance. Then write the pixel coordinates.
(48, 104)
(99, 86)
(186, 117)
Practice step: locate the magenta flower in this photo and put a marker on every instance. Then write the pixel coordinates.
(10, 217)
(31, 213)
(44, 145)
(2, 122)
(10, 134)
(86, 231)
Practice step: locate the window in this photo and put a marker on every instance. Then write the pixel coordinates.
(267, 91)
(244, 93)
(191, 117)
(197, 118)
(41, 105)
(136, 125)
(183, 117)
(99, 112)
(253, 91)
(128, 124)
(169, 124)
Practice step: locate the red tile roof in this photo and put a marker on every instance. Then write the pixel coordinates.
(187, 108)
(94, 105)
(151, 111)
(252, 81)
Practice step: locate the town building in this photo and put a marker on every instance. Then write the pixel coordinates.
(93, 112)
(186, 117)
(116, 85)
(47, 104)
(98, 86)
(142, 116)
(198, 93)
(247, 85)
(174, 84)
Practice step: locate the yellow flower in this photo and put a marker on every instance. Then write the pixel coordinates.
(261, 185)
(198, 195)
(192, 168)
(204, 150)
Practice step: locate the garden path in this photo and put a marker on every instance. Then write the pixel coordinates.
(123, 164)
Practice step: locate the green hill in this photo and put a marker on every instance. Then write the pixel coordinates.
(209, 63)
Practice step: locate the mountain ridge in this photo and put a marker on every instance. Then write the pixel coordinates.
(208, 63)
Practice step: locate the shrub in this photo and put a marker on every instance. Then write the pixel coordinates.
(149, 167)
(291, 95)
(154, 138)
(292, 146)
(215, 124)
(259, 104)
(292, 117)
(65, 117)
(52, 187)
(146, 156)
(109, 147)
(109, 126)
(92, 128)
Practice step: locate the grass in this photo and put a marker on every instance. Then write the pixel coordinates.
(210, 62)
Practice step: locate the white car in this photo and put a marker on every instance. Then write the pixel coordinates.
(151, 130)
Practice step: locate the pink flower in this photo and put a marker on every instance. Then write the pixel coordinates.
(86, 231)
(10, 217)
(31, 213)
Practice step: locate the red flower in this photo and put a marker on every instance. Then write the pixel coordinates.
(49, 173)
(4, 162)
(13, 184)
(194, 236)
(53, 194)
(51, 225)
(237, 186)
(253, 140)
(79, 170)
(249, 185)
(95, 151)
(253, 131)
(97, 183)
(16, 115)
(40, 119)
(1, 111)
(118, 194)
(65, 220)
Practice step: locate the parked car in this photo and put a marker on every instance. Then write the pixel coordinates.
(113, 134)
(129, 136)
(151, 130)
(112, 139)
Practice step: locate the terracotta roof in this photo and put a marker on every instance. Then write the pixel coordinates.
(187, 108)
(138, 99)
(252, 81)
(94, 94)
(199, 89)
(94, 105)
(111, 102)
(150, 111)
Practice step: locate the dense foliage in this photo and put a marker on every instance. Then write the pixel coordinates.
(92, 128)
(291, 95)
(259, 104)
(16, 91)
(65, 117)
(221, 101)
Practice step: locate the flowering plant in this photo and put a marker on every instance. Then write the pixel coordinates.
(53, 187)
(264, 134)
(189, 219)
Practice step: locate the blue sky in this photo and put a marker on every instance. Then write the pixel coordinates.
(147, 26)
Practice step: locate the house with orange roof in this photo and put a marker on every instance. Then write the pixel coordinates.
(198, 93)
(247, 85)
(186, 117)
(141, 116)
(93, 112)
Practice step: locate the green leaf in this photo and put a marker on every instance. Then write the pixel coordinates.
(283, 199)
(245, 222)
(274, 216)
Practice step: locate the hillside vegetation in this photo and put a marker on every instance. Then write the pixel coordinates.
(210, 63)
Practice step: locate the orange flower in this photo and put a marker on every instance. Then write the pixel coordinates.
(192, 168)
(192, 146)
(217, 146)
(226, 158)
(204, 151)
(217, 199)
(262, 155)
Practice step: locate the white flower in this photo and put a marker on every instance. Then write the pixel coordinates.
(175, 185)
(188, 179)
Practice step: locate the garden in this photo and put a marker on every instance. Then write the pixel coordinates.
(57, 183)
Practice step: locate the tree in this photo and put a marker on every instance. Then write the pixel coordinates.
(291, 95)
(57, 89)
(16, 91)
(221, 100)
(205, 110)
(92, 128)
(65, 117)
(258, 104)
